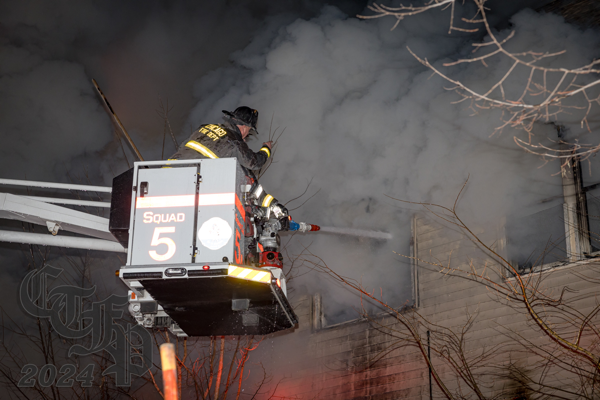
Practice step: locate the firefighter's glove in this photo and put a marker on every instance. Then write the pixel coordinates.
(279, 211)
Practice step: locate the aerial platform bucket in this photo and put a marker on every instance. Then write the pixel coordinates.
(185, 267)
(215, 302)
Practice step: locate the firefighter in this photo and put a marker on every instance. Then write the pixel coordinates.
(227, 140)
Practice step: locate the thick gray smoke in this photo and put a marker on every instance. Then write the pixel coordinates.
(363, 119)
(141, 53)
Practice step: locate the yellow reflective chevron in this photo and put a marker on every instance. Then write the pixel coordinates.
(266, 150)
(267, 200)
(249, 274)
(205, 151)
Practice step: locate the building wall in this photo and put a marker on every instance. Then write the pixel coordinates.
(340, 360)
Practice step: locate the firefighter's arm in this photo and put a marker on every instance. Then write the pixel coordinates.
(269, 204)
(249, 159)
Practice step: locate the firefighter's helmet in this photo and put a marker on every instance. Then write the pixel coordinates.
(244, 116)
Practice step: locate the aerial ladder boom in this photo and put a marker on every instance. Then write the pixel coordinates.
(40, 211)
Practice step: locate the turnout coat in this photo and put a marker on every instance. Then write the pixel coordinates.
(220, 141)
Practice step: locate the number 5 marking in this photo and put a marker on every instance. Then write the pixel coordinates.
(164, 240)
